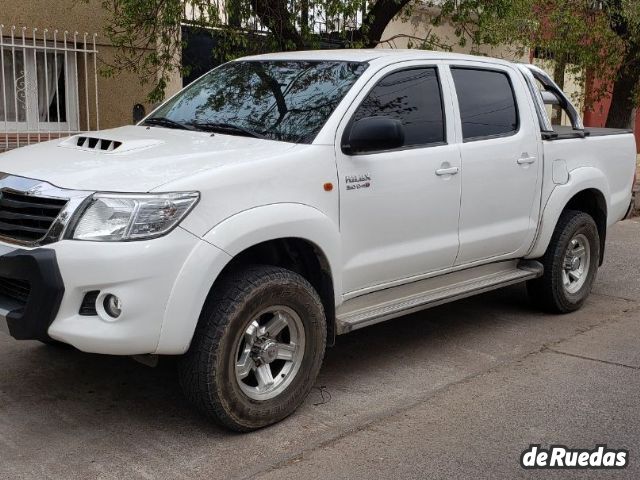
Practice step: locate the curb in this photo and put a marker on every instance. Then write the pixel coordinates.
(635, 210)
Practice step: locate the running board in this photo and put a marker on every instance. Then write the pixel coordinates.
(395, 302)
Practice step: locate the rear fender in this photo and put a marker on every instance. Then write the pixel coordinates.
(580, 179)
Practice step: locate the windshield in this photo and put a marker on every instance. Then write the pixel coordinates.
(280, 100)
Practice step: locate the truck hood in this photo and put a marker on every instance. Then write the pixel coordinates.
(133, 158)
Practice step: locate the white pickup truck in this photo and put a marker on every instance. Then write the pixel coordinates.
(281, 200)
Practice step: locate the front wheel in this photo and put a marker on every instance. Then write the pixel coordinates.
(570, 264)
(257, 350)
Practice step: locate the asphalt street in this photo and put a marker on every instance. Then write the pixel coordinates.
(458, 391)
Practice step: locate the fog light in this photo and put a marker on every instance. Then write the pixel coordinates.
(112, 306)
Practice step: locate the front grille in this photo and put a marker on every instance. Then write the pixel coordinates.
(15, 289)
(27, 218)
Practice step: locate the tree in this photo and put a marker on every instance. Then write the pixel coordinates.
(624, 20)
(587, 37)
(147, 34)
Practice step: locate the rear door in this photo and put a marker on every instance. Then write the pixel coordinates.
(501, 161)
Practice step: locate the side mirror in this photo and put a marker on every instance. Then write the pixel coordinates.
(549, 98)
(373, 134)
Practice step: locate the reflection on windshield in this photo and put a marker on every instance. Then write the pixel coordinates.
(279, 100)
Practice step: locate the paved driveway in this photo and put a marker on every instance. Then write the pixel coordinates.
(454, 392)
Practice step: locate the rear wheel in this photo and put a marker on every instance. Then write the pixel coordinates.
(257, 350)
(570, 264)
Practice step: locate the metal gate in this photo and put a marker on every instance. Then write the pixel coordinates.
(48, 85)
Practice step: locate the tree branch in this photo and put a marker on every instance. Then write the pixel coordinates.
(376, 20)
(275, 15)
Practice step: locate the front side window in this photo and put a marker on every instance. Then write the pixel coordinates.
(282, 100)
(487, 103)
(412, 96)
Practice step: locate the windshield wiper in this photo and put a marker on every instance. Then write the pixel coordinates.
(167, 123)
(226, 128)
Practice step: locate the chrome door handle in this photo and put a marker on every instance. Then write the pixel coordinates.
(447, 171)
(526, 160)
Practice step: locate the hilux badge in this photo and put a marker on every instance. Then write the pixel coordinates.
(356, 182)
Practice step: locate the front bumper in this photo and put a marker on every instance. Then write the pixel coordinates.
(31, 290)
(142, 274)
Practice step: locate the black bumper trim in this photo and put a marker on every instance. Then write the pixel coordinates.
(39, 267)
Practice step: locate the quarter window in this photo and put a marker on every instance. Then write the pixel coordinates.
(487, 103)
(412, 96)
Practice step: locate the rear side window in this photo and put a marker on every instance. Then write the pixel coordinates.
(487, 103)
(412, 96)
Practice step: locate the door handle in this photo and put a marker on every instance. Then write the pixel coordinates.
(524, 160)
(447, 171)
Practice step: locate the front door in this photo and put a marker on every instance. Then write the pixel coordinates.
(399, 208)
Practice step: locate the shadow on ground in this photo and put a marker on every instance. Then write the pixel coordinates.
(68, 414)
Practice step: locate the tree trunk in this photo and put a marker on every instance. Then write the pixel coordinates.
(558, 77)
(624, 90)
(304, 18)
(275, 15)
(377, 19)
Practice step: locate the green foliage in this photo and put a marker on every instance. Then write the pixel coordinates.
(147, 33)
(580, 37)
(586, 36)
(486, 22)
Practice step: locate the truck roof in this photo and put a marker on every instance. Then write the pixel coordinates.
(366, 55)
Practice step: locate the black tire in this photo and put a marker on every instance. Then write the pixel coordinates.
(548, 291)
(207, 370)
(54, 343)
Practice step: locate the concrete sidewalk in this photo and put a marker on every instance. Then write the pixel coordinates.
(580, 392)
(636, 190)
(454, 392)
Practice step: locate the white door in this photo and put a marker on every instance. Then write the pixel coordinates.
(501, 162)
(399, 207)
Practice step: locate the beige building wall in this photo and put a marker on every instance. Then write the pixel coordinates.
(116, 95)
(406, 33)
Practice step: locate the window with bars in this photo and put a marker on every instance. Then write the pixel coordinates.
(39, 89)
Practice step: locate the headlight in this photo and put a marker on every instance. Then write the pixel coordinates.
(115, 217)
